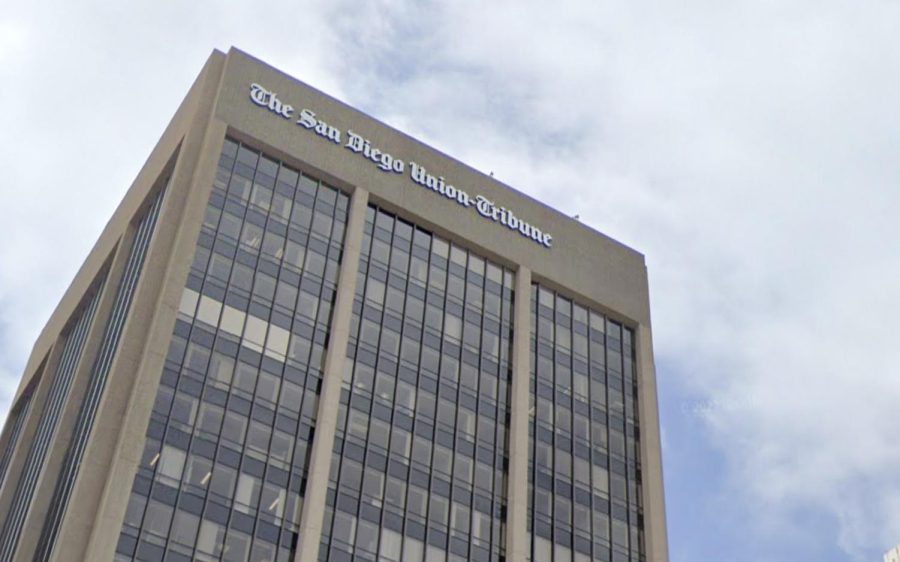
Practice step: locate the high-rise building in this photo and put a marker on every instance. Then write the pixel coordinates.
(893, 555)
(304, 335)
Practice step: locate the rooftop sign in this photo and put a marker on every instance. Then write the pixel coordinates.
(387, 163)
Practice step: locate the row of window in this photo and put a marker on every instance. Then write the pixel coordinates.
(420, 457)
(421, 449)
(584, 479)
(224, 468)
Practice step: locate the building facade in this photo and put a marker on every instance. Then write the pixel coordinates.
(306, 336)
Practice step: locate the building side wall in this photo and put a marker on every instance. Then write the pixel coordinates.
(101, 491)
(609, 276)
(60, 442)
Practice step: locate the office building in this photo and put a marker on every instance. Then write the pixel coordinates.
(304, 335)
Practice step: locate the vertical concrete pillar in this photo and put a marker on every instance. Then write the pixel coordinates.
(652, 477)
(518, 548)
(329, 400)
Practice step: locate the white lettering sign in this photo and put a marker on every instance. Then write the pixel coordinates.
(267, 99)
(383, 160)
(390, 164)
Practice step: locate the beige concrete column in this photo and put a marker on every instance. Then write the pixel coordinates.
(329, 400)
(656, 542)
(518, 548)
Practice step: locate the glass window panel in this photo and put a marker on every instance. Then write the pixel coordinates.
(406, 396)
(262, 552)
(459, 519)
(351, 474)
(189, 299)
(273, 499)
(421, 451)
(294, 254)
(223, 480)
(170, 465)
(401, 441)
(367, 537)
(282, 446)
(384, 387)
(255, 333)
(184, 528)
(344, 528)
(438, 510)
(230, 226)
(245, 377)
(237, 546)
(291, 396)
(307, 304)
(418, 500)
(562, 553)
(543, 550)
(391, 543)
(358, 424)
(443, 459)
(601, 479)
(395, 492)
(251, 236)
(281, 206)
(378, 434)
(435, 554)
(221, 368)
(315, 263)
(211, 539)
(234, 428)
(197, 357)
(413, 550)
(258, 437)
(134, 513)
(273, 245)
(264, 287)
(209, 419)
(199, 471)
(268, 384)
(219, 268)
(246, 497)
(157, 518)
(463, 469)
(184, 408)
(232, 321)
(373, 486)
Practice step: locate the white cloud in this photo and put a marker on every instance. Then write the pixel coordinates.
(748, 148)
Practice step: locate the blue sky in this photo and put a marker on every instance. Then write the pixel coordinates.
(748, 148)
